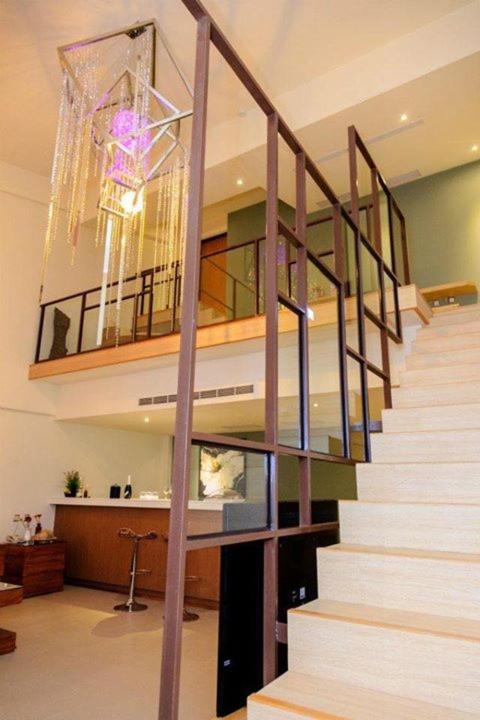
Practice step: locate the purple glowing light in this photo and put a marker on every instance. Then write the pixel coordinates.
(124, 124)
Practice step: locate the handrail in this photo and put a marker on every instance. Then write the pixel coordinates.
(355, 143)
(149, 283)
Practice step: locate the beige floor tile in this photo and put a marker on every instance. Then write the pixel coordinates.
(78, 660)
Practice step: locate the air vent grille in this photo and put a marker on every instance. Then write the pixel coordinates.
(200, 395)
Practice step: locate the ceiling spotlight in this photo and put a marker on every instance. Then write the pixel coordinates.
(474, 148)
(146, 419)
(239, 182)
(315, 404)
(403, 117)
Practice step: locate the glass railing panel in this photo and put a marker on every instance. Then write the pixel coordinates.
(288, 491)
(324, 366)
(290, 431)
(356, 420)
(331, 481)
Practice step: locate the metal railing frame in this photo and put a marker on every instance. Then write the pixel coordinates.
(345, 225)
(209, 33)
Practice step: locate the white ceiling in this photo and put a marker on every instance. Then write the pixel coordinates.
(288, 43)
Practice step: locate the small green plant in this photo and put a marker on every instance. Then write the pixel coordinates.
(72, 483)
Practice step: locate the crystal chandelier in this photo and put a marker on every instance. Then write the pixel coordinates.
(119, 143)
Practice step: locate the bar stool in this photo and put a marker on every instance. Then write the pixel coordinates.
(188, 615)
(131, 605)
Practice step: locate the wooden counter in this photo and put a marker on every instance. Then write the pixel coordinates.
(97, 557)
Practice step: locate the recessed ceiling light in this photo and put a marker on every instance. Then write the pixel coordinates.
(315, 404)
(403, 117)
(474, 148)
(239, 182)
(146, 419)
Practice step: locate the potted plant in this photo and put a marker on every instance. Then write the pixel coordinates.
(72, 483)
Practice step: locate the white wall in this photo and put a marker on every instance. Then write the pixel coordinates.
(36, 449)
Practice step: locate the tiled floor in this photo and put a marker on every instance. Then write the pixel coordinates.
(78, 660)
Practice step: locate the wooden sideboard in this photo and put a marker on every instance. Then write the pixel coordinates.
(9, 595)
(97, 557)
(37, 568)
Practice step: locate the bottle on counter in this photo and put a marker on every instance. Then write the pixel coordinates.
(115, 491)
(127, 493)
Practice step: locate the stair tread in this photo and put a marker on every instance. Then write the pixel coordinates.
(434, 503)
(462, 314)
(388, 618)
(442, 372)
(464, 392)
(402, 552)
(431, 418)
(426, 345)
(326, 699)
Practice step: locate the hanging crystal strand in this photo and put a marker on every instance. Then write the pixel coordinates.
(141, 236)
(121, 274)
(73, 219)
(183, 219)
(168, 218)
(156, 235)
(173, 229)
(113, 261)
(164, 238)
(55, 181)
(172, 225)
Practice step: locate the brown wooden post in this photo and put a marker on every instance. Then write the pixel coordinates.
(377, 223)
(353, 170)
(175, 582)
(304, 476)
(406, 258)
(387, 386)
(271, 399)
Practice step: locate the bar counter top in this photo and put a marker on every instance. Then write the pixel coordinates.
(97, 557)
(210, 505)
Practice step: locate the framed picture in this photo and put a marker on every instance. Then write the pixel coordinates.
(222, 473)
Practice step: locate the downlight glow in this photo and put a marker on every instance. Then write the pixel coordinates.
(131, 202)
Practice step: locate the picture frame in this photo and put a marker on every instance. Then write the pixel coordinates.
(221, 473)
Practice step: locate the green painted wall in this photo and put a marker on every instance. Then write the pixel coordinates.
(443, 225)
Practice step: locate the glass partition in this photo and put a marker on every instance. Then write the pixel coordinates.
(233, 485)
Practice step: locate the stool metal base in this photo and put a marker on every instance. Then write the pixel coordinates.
(131, 606)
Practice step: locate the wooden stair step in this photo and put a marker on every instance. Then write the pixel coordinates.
(421, 446)
(448, 393)
(449, 342)
(423, 581)
(462, 356)
(424, 657)
(296, 696)
(443, 374)
(456, 328)
(431, 418)
(463, 314)
(445, 527)
(419, 482)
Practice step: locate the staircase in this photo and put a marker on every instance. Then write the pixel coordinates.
(395, 632)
